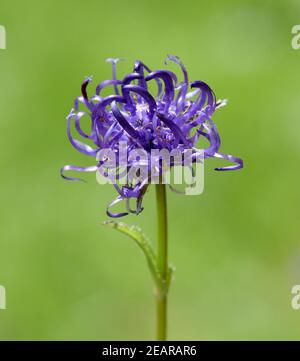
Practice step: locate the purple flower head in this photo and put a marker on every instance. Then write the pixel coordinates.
(176, 117)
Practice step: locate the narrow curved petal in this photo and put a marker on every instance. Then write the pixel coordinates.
(77, 144)
(77, 169)
(84, 92)
(139, 68)
(176, 130)
(239, 162)
(168, 77)
(114, 62)
(106, 83)
(111, 204)
(180, 100)
(100, 107)
(131, 77)
(77, 118)
(211, 98)
(177, 61)
(144, 94)
(123, 122)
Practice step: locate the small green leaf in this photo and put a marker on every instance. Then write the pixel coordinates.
(142, 241)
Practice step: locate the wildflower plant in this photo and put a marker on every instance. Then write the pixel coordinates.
(129, 131)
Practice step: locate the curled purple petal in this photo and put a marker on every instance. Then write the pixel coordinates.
(239, 162)
(84, 92)
(106, 83)
(167, 77)
(180, 100)
(143, 93)
(123, 122)
(77, 118)
(77, 169)
(111, 204)
(211, 98)
(177, 61)
(100, 107)
(176, 130)
(131, 77)
(139, 68)
(77, 144)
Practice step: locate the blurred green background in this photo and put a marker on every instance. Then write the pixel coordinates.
(236, 247)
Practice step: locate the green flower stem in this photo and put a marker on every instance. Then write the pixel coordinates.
(162, 262)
